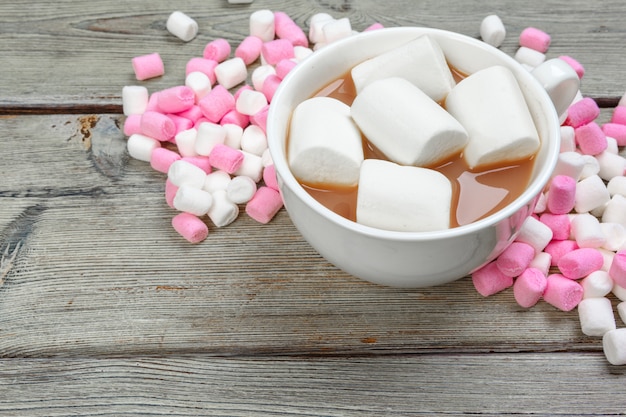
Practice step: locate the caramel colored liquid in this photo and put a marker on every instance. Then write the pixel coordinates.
(475, 194)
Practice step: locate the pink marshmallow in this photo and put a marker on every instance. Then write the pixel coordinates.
(180, 123)
(617, 270)
(284, 67)
(170, 192)
(559, 248)
(591, 139)
(193, 113)
(217, 50)
(562, 293)
(269, 177)
(190, 227)
(275, 51)
(264, 205)
(249, 49)
(373, 26)
(260, 118)
(234, 117)
(534, 38)
(162, 158)
(270, 85)
(561, 194)
(580, 262)
(286, 28)
(205, 66)
(132, 124)
(489, 280)
(582, 112)
(225, 158)
(148, 66)
(577, 66)
(529, 287)
(217, 103)
(619, 115)
(515, 258)
(201, 162)
(157, 126)
(176, 99)
(616, 131)
(558, 223)
(153, 101)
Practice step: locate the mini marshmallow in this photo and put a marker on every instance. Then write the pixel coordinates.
(252, 166)
(269, 177)
(561, 194)
(264, 205)
(499, 125)
(611, 165)
(405, 124)
(215, 181)
(284, 67)
(186, 142)
(616, 131)
(267, 158)
(541, 204)
(175, 99)
(205, 66)
(617, 270)
(260, 118)
(190, 227)
(270, 85)
(241, 189)
(535, 39)
(559, 248)
(337, 29)
(383, 200)
(542, 261)
(562, 293)
(231, 72)
(608, 258)
(148, 66)
(590, 194)
(225, 158)
(568, 142)
(558, 223)
(576, 66)
(249, 49)
(192, 200)
(217, 50)
(597, 284)
(208, 136)
(259, 75)
(515, 258)
(233, 135)
(223, 211)
(233, 117)
(619, 292)
(619, 115)
(250, 102)
(162, 158)
(182, 26)
(301, 52)
(199, 83)
(217, 103)
(586, 231)
(492, 30)
(170, 192)
(253, 140)
(617, 185)
(262, 25)
(534, 233)
(614, 346)
(180, 124)
(591, 167)
(275, 51)
(529, 287)
(614, 234)
(612, 146)
(316, 25)
(530, 57)
(580, 263)
(325, 144)
(489, 280)
(157, 126)
(132, 124)
(582, 112)
(201, 162)
(596, 316)
(185, 173)
(141, 146)
(420, 61)
(374, 26)
(286, 28)
(134, 99)
(621, 311)
(591, 139)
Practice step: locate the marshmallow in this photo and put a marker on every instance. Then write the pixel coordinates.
(132, 124)
(562, 293)
(270, 85)
(157, 125)
(590, 194)
(176, 99)
(582, 112)
(499, 124)
(534, 233)
(405, 124)
(492, 30)
(264, 205)
(621, 310)
(148, 66)
(619, 292)
(134, 99)
(260, 118)
(515, 258)
(250, 102)
(233, 117)
(284, 67)
(576, 66)
(170, 192)
(249, 49)
(199, 83)
(141, 146)
(316, 25)
(617, 270)
(262, 25)
(231, 72)
(301, 52)
(182, 26)
(185, 173)
(205, 66)
(217, 103)
(162, 158)
(617, 185)
(559, 248)
(325, 144)
(233, 135)
(535, 39)
(223, 211)
(542, 261)
(529, 287)
(558, 223)
(596, 316)
(225, 158)
(591, 139)
(420, 61)
(252, 166)
(561, 194)
(384, 200)
(217, 50)
(530, 57)
(286, 28)
(209, 135)
(616, 131)
(489, 280)
(614, 236)
(580, 263)
(570, 164)
(180, 124)
(201, 162)
(337, 29)
(275, 51)
(591, 167)
(186, 142)
(597, 284)
(241, 189)
(192, 200)
(586, 231)
(216, 181)
(568, 142)
(259, 75)
(614, 346)
(269, 177)
(190, 227)
(253, 140)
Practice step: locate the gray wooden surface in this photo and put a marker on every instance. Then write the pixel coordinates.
(105, 311)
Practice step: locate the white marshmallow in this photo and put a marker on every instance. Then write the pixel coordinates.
(542, 203)
(614, 346)
(542, 261)
(607, 256)
(402, 198)
(597, 284)
(199, 82)
(615, 236)
(324, 143)
(337, 29)
(406, 125)
(535, 233)
(250, 102)
(590, 167)
(233, 135)
(301, 52)
(266, 157)
(611, 165)
(615, 210)
(492, 30)
(141, 146)
(182, 26)
(596, 316)
(611, 145)
(231, 72)
(621, 311)
(209, 134)
(492, 108)
(134, 99)
(215, 181)
(252, 166)
(619, 292)
(192, 200)
(223, 211)
(182, 173)
(590, 194)
(259, 75)
(568, 139)
(254, 140)
(186, 142)
(420, 61)
(587, 232)
(241, 189)
(617, 185)
(316, 24)
(530, 57)
(262, 25)
(570, 164)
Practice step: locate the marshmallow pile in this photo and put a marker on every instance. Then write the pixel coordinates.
(572, 251)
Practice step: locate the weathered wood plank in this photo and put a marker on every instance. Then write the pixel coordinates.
(75, 56)
(425, 385)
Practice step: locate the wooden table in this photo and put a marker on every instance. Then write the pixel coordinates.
(105, 310)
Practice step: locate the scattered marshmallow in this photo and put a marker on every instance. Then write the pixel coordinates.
(596, 316)
(562, 293)
(264, 205)
(141, 146)
(492, 30)
(529, 287)
(190, 227)
(262, 25)
(148, 66)
(535, 39)
(134, 99)
(223, 211)
(241, 189)
(182, 26)
(614, 346)
(489, 280)
(192, 200)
